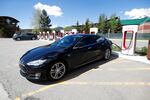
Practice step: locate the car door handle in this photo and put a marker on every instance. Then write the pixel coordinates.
(89, 47)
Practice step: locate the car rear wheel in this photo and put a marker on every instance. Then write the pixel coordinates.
(33, 38)
(107, 54)
(57, 71)
(18, 39)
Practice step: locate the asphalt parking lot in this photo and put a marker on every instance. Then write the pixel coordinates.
(116, 79)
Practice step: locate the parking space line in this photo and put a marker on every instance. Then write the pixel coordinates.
(85, 83)
(17, 98)
(37, 91)
(123, 69)
(108, 83)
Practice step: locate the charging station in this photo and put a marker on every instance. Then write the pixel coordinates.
(93, 30)
(74, 31)
(130, 48)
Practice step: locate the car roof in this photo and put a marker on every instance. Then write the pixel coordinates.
(84, 35)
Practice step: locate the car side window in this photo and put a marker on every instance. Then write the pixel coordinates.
(87, 41)
(23, 34)
(29, 34)
(100, 39)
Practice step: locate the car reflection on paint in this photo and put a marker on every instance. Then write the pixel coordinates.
(54, 60)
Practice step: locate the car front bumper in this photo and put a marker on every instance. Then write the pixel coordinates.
(33, 73)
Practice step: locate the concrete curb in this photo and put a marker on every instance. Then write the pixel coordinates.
(138, 58)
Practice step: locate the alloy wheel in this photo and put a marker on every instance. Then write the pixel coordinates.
(57, 71)
(33, 38)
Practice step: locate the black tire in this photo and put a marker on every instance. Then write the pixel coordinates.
(57, 70)
(107, 54)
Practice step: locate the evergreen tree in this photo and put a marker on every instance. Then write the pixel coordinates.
(41, 21)
(119, 26)
(102, 23)
(77, 26)
(81, 28)
(87, 26)
(113, 23)
(44, 21)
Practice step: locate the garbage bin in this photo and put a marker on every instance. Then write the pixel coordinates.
(148, 51)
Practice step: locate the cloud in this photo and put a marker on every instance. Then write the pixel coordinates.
(138, 13)
(51, 10)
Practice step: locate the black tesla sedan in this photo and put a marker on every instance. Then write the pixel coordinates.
(54, 60)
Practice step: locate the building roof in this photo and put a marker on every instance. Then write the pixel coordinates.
(7, 17)
(135, 21)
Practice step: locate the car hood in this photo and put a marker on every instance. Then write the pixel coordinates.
(41, 53)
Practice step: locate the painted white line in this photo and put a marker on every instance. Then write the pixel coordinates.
(123, 69)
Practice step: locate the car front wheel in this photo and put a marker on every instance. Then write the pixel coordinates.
(57, 71)
(107, 54)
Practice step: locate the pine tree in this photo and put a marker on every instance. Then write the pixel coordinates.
(119, 26)
(102, 24)
(87, 26)
(44, 21)
(113, 23)
(77, 26)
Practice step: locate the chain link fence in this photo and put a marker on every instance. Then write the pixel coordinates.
(140, 36)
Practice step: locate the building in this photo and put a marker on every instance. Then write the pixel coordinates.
(143, 24)
(8, 26)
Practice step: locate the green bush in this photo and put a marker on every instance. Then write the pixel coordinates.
(142, 51)
(2, 30)
(115, 48)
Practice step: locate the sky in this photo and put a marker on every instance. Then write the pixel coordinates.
(68, 12)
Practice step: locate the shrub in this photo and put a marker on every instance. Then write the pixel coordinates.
(142, 51)
(115, 48)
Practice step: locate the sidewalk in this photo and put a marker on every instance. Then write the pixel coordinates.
(3, 93)
(138, 58)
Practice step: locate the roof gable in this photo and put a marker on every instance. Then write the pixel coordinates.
(135, 21)
(11, 18)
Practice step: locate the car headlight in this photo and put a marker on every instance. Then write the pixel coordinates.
(36, 62)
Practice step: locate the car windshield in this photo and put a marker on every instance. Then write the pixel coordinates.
(66, 41)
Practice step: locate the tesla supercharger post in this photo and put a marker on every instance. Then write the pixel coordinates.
(74, 31)
(54, 35)
(63, 32)
(39, 36)
(93, 30)
(129, 49)
(51, 37)
(43, 35)
(48, 35)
